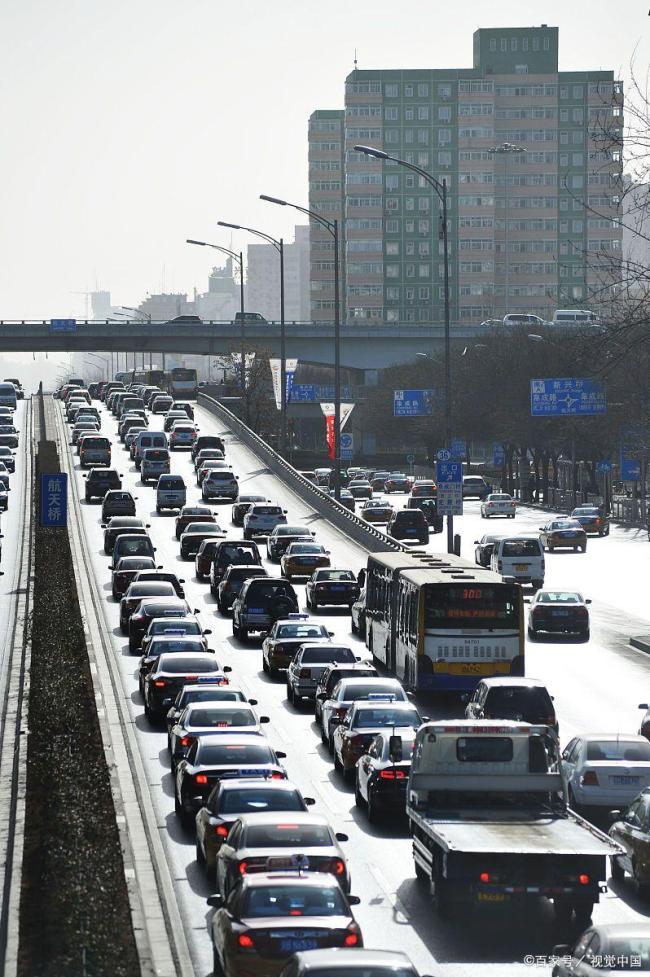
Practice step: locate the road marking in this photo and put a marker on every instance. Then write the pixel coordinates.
(401, 915)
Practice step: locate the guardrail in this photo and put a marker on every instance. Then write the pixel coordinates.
(367, 536)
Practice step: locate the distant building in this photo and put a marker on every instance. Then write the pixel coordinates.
(221, 301)
(166, 305)
(326, 146)
(263, 278)
(636, 229)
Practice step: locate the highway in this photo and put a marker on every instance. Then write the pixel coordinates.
(597, 687)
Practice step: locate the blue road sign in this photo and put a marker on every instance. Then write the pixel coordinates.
(443, 454)
(63, 325)
(54, 500)
(562, 396)
(347, 447)
(630, 465)
(413, 403)
(410, 458)
(312, 393)
(458, 448)
(604, 467)
(498, 455)
(449, 471)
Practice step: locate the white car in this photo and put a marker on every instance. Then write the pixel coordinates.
(606, 770)
(498, 504)
(262, 518)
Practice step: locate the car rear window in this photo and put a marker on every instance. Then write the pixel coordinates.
(409, 517)
(558, 596)
(532, 704)
(156, 454)
(171, 482)
(300, 631)
(353, 692)
(201, 527)
(259, 799)
(521, 547)
(102, 443)
(209, 693)
(181, 666)
(336, 575)
(275, 900)
(287, 835)
(267, 510)
(385, 716)
(326, 654)
(219, 754)
(134, 547)
(617, 750)
(219, 718)
(165, 646)
(187, 627)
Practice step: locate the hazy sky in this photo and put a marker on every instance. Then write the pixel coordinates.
(129, 125)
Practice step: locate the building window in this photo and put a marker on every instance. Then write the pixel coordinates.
(564, 203)
(564, 115)
(535, 43)
(423, 204)
(423, 112)
(504, 43)
(578, 137)
(493, 44)
(423, 226)
(409, 181)
(410, 203)
(578, 116)
(392, 226)
(564, 139)
(444, 113)
(391, 90)
(392, 271)
(577, 91)
(410, 248)
(564, 91)
(444, 91)
(423, 91)
(577, 181)
(524, 44)
(408, 135)
(444, 137)
(391, 136)
(513, 43)
(392, 247)
(408, 91)
(409, 114)
(564, 227)
(392, 181)
(392, 203)
(424, 270)
(547, 44)
(391, 113)
(392, 293)
(409, 226)
(576, 227)
(424, 249)
(444, 158)
(577, 159)
(423, 136)
(521, 69)
(410, 270)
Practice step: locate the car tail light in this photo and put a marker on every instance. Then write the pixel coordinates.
(589, 779)
(484, 877)
(200, 778)
(391, 774)
(584, 879)
(245, 941)
(582, 612)
(243, 868)
(336, 866)
(160, 683)
(549, 721)
(221, 831)
(351, 939)
(186, 740)
(276, 775)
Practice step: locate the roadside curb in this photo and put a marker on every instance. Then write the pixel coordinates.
(641, 643)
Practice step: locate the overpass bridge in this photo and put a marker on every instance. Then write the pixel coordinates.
(363, 345)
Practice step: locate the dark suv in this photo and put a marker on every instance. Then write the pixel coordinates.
(99, 481)
(261, 601)
(520, 699)
(410, 525)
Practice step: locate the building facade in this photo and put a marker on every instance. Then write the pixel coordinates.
(263, 278)
(326, 142)
(532, 159)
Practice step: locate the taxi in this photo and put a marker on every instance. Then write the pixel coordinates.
(498, 504)
(361, 725)
(271, 915)
(592, 520)
(374, 510)
(301, 559)
(285, 638)
(398, 482)
(563, 534)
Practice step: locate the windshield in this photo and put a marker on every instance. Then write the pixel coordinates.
(478, 606)
(254, 800)
(202, 527)
(521, 547)
(294, 900)
(300, 548)
(220, 717)
(267, 510)
(234, 754)
(617, 750)
(160, 647)
(336, 575)
(301, 631)
(187, 627)
(385, 716)
(326, 654)
(286, 836)
(554, 597)
(134, 546)
(269, 588)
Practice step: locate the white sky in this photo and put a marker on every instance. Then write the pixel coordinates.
(129, 125)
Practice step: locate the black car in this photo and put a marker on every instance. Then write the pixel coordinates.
(331, 586)
(232, 581)
(430, 509)
(285, 637)
(169, 674)
(217, 757)
(559, 612)
(182, 645)
(137, 592)
(508, 697)
(7, 456)
(192, 513)
(207, 441)
(260, 602)
(175, 627)
(122, 524)
(161, 576)
(204, 692)
(232, 552)
(485, 548)
(409, 525)
(194, 535)
(125, 571)
(280, 539)
(383, 773)
(99, 481)
(242, 505)
(117, 503)
(149, 609)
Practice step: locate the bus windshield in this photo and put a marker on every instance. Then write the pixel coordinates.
(470, 606)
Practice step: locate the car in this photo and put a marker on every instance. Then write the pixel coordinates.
(213, 757)
(409, 525)
(229, 799)
(160, 404)
(207, 441)
(154, 463)
(171, 493)
(286, 635)
(183, 434)
(260, 602)
(360, 488)
(262, 518)
(374, 510)
(424, 488)
(150, 608)
(362, 683)
(151, 440)
(520, 557)
(309, 663)
(358, 615)
(93, 449)
(331, 587)
(7, 456)
(204, 557)
(232, 582)
(300, 559)
(625, 945)
(475, 486)
(397, 482)
(232, 552)
(331, 676)
(242, 506)
(169, 674)
(210, 454)
(186, 407)
(605, 770)
(207, 691)
(208, 465)
(382, 774)
(592, 520)
(498, 504)
(4, 497)
(559, 612)
(125, 570)
(220, 484)
(135, 593)
(79, 428)
(563, 534)
(171, 417)
(130, 439)
(484, 549)
(512, 697)
(255, 838)
(341, 962)
(190, 514)
(378, 480)
(178, 645)
(129, 543)
(116, 502)
(99, 481)
(430, 509)
(345, 498)
(206, 718)
(175, 627)
(281, 538)
(631, 830)
(193, 536)
(364, 720)
(117, 525)
(269, 916)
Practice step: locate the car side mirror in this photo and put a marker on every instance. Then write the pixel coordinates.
(160, 568)
(252, 702)
(110, 566)
(103, 525)
(321, 695)
(264, 719)
(341, 837)
(643, 705)
(425, 719)
(309, 801)
(147, 525)
(181, 580)
(354, 900)
(226, 668)
(280, 754)
(588, 600)
(197, 610)
(205, 630)
(84, 475)
(155, 549)
(264, 634)
(216, 901)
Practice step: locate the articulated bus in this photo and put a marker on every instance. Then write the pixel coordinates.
(182, 383)
(441, 623)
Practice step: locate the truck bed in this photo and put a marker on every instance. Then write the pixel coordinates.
(516, 834)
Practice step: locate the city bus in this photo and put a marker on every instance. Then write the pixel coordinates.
(183, 383)
(441, 623)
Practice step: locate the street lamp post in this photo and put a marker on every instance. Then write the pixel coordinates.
(239, 259)
(147, 318)
(278, 244)
(506, 150)
(440, 188)
(333, 228)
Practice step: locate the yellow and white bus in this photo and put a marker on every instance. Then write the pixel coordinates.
(441, 623)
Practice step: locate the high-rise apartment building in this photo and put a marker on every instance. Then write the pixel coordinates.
(326, 174)
(263, 278)
(532, 228)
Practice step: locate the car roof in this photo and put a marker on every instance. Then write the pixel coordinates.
(272, 817)
(378, 703)
(236, 783)
(311, 881)
(513, 680)
(384, 682)
(358, 957)
(182, 656)
(611, 737)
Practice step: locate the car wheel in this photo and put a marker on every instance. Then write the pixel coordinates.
(217, 969)
(617, 870)
(586, 635)
(235, 630)
(372, 812)
(358, 796)
(353, 628)
(243, 635)
(290, 693)
(200, 857)
(158, 510)
(132, 647)
(330, 744)
(265, 667)
(338, 766)
(221, 607)
(583, 549)
(532, 634)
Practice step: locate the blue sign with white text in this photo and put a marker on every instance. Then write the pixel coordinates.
(312, 393)
(603, 467)
(630, 466)
(498, 455)
(449, 471)
(562, 396)
(63, 325)
(413, 403)
(54, 500)
(458, 448)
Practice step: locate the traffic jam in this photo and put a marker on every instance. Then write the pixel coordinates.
(502, 807)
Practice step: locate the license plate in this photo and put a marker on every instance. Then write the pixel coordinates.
(297, 946)
(623, 781)
(569, 535)
(560, 613)
(256, 610)
(338, 586)
(411, 532)
(521, 566)
(492, 896)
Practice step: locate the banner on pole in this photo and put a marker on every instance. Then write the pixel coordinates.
(276, 377)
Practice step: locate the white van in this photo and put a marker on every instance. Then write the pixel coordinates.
(520, 557)
(154, 463)
(170, 492)
(575, 316)
(8, 396)
(148, 439)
